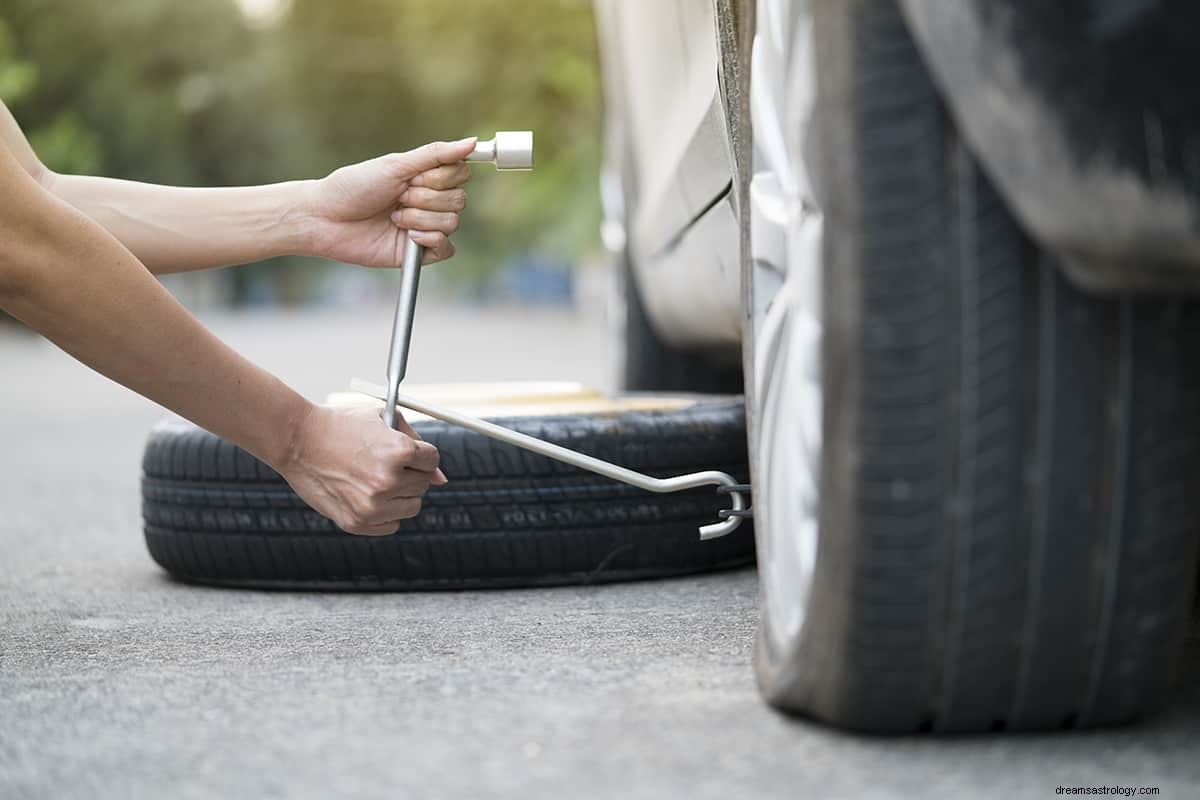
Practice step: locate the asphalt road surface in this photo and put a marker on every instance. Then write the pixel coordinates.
(118, 682)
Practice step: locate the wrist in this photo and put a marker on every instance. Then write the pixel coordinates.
(287, 446)
(298, 219)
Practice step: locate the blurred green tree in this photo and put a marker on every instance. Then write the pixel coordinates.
(380, 75)
(61, 137)
(193, 94)
(171, 92)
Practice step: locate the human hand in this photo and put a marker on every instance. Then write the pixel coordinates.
(352, 468)
(360, 213)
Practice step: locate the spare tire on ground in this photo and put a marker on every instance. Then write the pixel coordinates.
(214, 514)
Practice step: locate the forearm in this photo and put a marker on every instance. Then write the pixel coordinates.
(174, 229)
(67, 278)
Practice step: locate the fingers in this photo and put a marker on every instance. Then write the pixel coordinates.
(385, 518)
(406, 484)
(400, 468)
(436, 244)
(400, 508)
(418, 219)
(439, 477)
(403, 426)
(429, 156)
(445, 177)
(420, 467)
(357, 472)
(385, 529)
(405, 468)
(430, 209)
(437, 247)
(377, 512)
(433, 242)
(454, 200)
(420, 456)
(430, 216)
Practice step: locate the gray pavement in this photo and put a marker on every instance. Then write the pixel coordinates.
(117, 682)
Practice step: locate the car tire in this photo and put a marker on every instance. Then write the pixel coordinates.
(214, 514)
(1005, 523)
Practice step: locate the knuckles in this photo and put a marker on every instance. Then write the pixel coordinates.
(430, 460)
(381, 485)
(360, 511)
(351, 523)
(387, 487)
(423, 220)
(403, 452)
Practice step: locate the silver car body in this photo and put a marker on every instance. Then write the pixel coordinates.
(669, 170)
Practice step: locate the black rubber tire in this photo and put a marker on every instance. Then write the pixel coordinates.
(651, 364)
(1008, 521)
(215, 514)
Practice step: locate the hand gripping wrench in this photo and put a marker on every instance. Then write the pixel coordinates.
(510, 150)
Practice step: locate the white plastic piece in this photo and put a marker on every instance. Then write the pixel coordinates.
(509, 150)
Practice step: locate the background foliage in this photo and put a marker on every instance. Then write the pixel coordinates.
(197, 93)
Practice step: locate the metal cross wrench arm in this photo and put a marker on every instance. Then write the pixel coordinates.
(509, 150)
(514, 150)
(724, 482)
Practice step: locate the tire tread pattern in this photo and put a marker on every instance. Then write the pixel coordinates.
(215, 514)
(1008, 540)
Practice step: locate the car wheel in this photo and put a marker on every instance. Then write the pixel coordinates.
(215, 514)
(973, 482)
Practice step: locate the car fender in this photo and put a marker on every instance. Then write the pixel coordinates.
(1083, 132)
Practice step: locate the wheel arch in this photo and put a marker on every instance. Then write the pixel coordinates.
(1063, 101)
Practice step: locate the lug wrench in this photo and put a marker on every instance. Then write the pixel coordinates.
(509, 150)
(513, 150)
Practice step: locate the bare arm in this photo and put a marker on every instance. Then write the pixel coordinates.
(12, 137)
(178, 229)
(67, 278)
(357, 214)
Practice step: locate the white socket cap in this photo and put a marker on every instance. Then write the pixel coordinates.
(514, 149)
(509, 150)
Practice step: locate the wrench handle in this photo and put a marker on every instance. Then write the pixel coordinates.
(402, 325)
